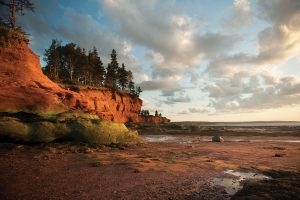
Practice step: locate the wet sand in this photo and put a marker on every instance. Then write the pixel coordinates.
(152, 171)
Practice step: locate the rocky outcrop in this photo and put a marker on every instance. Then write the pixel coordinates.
(112, 106)
(154, 119)
(24, 87)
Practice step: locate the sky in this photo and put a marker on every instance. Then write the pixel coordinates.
(195, 60)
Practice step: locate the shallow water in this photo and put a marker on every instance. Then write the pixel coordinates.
(160, 138)
(193, 140)
(236, 180)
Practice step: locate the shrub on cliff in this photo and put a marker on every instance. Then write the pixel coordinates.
(10, 36)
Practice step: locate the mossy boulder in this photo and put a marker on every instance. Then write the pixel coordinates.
(13, 129)
(96, 132)
(79, 127)
(47, 131)
(217, 138)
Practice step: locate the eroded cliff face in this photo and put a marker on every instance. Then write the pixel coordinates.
(113, 106)
(24, 87)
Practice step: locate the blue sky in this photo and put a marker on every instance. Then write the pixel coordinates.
(196, 60)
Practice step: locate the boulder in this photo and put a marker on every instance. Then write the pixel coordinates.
(217, 138)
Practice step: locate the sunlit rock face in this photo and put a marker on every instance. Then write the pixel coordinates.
(24, 87)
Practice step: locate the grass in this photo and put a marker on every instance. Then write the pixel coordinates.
(75, 126)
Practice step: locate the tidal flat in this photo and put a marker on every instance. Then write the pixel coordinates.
(160, 169)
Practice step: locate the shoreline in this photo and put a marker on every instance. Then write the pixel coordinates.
(150, 171)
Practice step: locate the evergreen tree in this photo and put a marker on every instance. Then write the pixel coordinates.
(52, 59)
(145, 112)
(70, 59)
(138, 91)
(97, 68)
(131, 88)
(156, 113)
(15, 7)
(82, 69)
(70, 64)
(123, 77)
(160, 114)
(112, 71)
(129, 76)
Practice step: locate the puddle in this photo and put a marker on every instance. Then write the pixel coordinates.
(174, 139)
(236, 179)
(160, 138)
(194, 140)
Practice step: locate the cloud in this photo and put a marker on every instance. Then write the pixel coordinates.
(281, 41)
(198, 110)
(167, 86)
(155, 85)
(194, 111)
(246, 91)
(215, 43)
(243, 82)
(173, 38)
(180, 99)
(276, 43)
(241, 15)
(36, 25)
(80, 28)
(104, 39)
(184, 112)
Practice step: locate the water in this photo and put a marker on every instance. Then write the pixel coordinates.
(235, 182)
(249, 124)
(160, 138)
(195, 140)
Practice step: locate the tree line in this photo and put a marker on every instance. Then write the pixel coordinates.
(70, 64)
(147, 113)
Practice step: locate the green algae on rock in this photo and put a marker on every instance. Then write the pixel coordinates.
(79, 127)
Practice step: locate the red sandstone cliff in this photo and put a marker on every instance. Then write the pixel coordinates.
(24, 87)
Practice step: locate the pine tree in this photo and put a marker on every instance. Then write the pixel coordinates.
(52, 58)
(70, 60)
(123, 77)
(70, 64)
(82, 69)
(131, 88)
(99, 71)
(112, 70)
(138, 91)
(156, 113)
(16, 7)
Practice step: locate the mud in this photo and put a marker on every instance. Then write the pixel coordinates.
(152, 171)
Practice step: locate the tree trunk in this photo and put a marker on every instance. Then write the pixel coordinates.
(13, 14)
